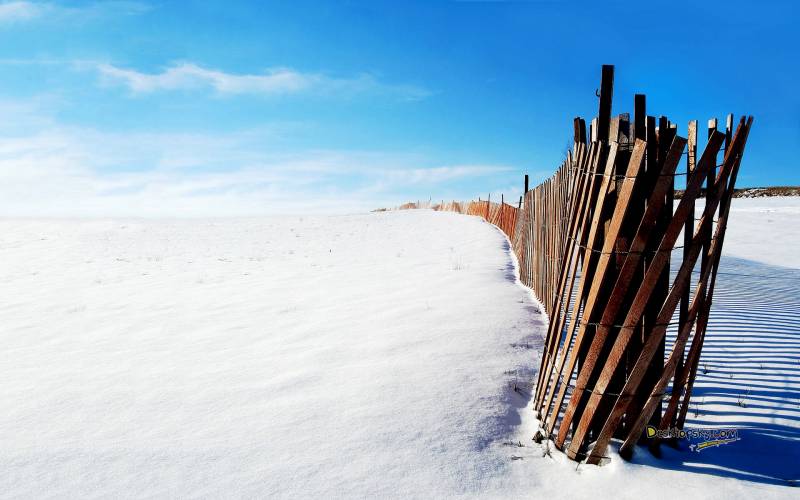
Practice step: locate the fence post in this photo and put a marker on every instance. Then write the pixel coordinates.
(606, 93)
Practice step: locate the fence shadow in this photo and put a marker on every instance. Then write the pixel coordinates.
(749, 378)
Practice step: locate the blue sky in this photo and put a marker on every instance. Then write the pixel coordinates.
(238, 108)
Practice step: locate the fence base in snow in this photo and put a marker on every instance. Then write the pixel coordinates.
(596, 243)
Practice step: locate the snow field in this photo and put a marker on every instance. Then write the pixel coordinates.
(355, 356)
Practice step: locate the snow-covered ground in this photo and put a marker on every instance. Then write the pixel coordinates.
(358, 356)
(765, 230)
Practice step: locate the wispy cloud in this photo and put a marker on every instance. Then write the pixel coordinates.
(188, 76)
(437, 175)
(275, 81)
(24, 11)
(49, 169)
(19, 11)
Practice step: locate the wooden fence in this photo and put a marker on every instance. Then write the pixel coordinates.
(600, 245)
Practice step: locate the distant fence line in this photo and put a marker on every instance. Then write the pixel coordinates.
(595, 242)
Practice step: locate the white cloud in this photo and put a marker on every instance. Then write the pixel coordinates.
(24, 11)
(275, 81)
(79, 172)
(187, 76)
(19, 11)
(437, 175)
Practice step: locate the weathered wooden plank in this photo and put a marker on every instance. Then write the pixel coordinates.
(691, 160)
(613, 131)
(728, 130)
(666, 132)
(606, 95)
(639, 116)
(579, 130)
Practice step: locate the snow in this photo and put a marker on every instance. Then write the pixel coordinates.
(370, 355)
(765, 230)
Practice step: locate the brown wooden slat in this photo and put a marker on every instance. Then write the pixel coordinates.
(606, 94)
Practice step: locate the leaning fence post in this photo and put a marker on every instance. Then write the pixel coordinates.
(606, 93)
